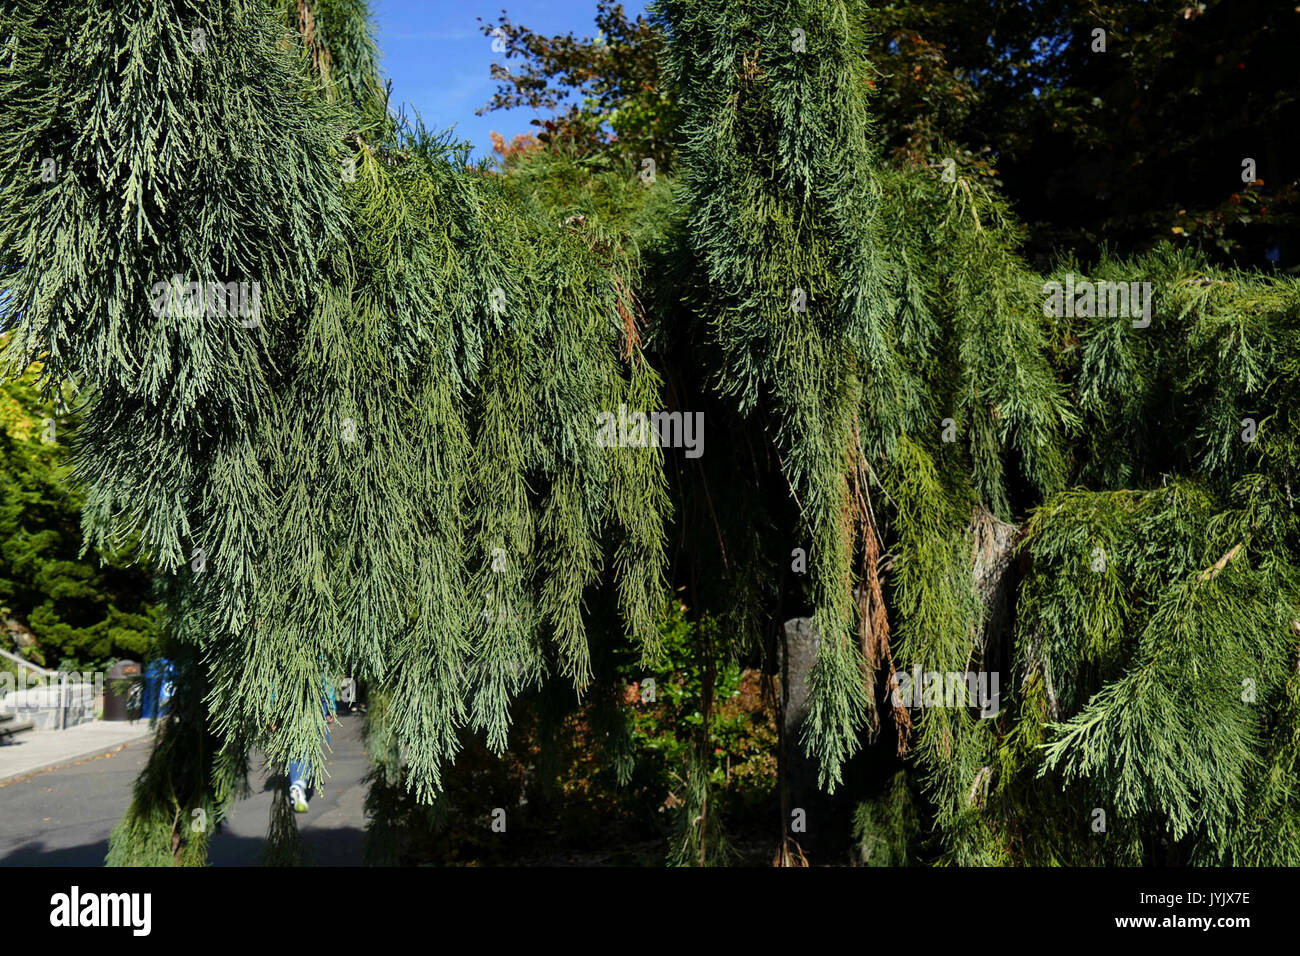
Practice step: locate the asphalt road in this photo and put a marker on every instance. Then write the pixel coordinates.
(62, 817)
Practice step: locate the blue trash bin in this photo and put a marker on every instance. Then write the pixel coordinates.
(159, 683)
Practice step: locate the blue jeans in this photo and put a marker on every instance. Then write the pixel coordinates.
(300, 770)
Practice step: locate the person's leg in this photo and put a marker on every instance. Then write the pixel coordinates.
(299, 771)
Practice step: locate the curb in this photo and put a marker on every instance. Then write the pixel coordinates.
(103, 750)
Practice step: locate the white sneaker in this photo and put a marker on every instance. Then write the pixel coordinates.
(299, 797)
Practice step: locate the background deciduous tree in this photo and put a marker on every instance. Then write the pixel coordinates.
(1125, 146)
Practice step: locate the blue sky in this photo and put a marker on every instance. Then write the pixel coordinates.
(439, 60)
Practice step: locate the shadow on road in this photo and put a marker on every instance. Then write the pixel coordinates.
(63, 817)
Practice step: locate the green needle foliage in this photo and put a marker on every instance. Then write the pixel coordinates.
(392, 469)
(146, 142)
(919, 309)
(340, 42)
(1157, 628)
(859, 309)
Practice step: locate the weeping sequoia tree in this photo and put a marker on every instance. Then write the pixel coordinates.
(345, 388)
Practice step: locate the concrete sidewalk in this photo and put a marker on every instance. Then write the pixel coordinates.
(38, 750)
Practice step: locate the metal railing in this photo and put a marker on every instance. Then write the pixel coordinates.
(64, 702)
(24, 662)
